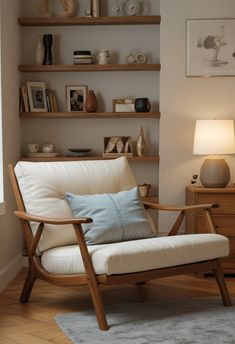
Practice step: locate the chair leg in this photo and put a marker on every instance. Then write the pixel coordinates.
(92, 280)
(222, 285)
(28, 284)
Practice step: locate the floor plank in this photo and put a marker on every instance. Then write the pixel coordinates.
(34, 322)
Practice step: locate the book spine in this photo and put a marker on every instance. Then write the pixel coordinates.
(25, 98)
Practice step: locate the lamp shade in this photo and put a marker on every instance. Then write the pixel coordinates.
(214, 137)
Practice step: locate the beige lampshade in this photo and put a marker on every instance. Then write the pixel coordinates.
(214, 137)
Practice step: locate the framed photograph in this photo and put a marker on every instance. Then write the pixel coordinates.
(210, 47)
(37, 96)
(76, 98)
(115, 146)
(124, 105)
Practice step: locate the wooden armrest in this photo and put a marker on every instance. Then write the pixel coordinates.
(158, 206)
(52, 221)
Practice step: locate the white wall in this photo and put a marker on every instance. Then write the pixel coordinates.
(184, 99)
(10, 236)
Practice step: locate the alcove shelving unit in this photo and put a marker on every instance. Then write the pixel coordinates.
(88, 21)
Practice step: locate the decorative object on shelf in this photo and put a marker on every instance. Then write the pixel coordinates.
(91, 101)
(69, 9)
(136, 56)
(124, 105)
(103, 57)
(141, 144)
(82, 57)
(39, 53)
(118, 146)
(24, 98)
(117, 8)
(132, 7)
(95, 6)
(194, 180)
(76, 98)
(48, 148)
(210, 47)
(214, 137)
(145, 189)
(33, 147)
(142, 105)
(37, 96)
(79, 151)
(43, 8)
(47, 42)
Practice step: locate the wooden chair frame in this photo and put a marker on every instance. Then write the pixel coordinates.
(36, 270)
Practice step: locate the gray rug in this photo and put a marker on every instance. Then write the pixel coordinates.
(198, 321)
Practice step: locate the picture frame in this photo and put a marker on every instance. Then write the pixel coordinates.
(124, 105)
(210, 47)
(76, 98)
(116, 146)
(37, 96)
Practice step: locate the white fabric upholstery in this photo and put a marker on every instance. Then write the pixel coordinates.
(138, 255)
(44, 184)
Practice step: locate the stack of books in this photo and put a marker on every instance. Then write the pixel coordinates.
(82, 57)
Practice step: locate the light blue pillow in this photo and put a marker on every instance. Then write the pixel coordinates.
(116, 217)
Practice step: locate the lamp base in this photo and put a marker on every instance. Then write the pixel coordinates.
(215, 173)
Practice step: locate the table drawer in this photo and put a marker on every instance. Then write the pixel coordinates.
(225, 225)
(226, 202)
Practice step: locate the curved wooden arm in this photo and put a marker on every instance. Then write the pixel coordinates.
(52, 221)
(158, 206)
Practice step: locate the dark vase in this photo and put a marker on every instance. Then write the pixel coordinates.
(47, 42)
(91, 102)
(142, 105)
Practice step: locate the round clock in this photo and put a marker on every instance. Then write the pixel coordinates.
(132, 7)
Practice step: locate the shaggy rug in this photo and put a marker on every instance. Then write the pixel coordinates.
(198, 321)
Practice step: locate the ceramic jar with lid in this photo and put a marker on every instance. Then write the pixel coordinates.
(103, 57)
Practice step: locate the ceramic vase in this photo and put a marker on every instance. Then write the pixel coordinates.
(141, 144)
(91, 102)
(39, 53)
(47, 42)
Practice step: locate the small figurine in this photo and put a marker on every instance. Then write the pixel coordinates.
(194, 180)
(44, 9)
(69, 8)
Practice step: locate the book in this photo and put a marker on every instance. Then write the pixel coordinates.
(25, 98)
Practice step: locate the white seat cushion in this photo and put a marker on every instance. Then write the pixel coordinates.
(43, 186)
(138, 255)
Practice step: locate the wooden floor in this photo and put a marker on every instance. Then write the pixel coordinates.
(33, 323)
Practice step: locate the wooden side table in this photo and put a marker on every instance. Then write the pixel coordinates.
(224, 216)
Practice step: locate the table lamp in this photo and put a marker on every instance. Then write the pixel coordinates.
(214, 137)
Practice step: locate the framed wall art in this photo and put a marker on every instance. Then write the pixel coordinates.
(37, 96)
(76, 98)
(210, 47)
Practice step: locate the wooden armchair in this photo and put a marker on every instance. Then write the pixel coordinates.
(26, 178)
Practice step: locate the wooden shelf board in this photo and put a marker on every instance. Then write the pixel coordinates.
(68, 115)
(119, 20)
(90, 68)
(69, 158)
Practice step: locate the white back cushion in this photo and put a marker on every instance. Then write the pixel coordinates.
(43, 186)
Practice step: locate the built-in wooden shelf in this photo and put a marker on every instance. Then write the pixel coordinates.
(122, 20)
(67, 115)
(69, 158)
(90, 68)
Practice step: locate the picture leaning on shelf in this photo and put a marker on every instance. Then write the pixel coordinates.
(36, 97)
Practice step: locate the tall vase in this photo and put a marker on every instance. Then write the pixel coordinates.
(39, 53)
(47, 42)
(141, 144)
(91, 102)
(95, 5)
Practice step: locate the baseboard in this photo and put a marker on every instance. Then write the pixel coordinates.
(10, 271)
